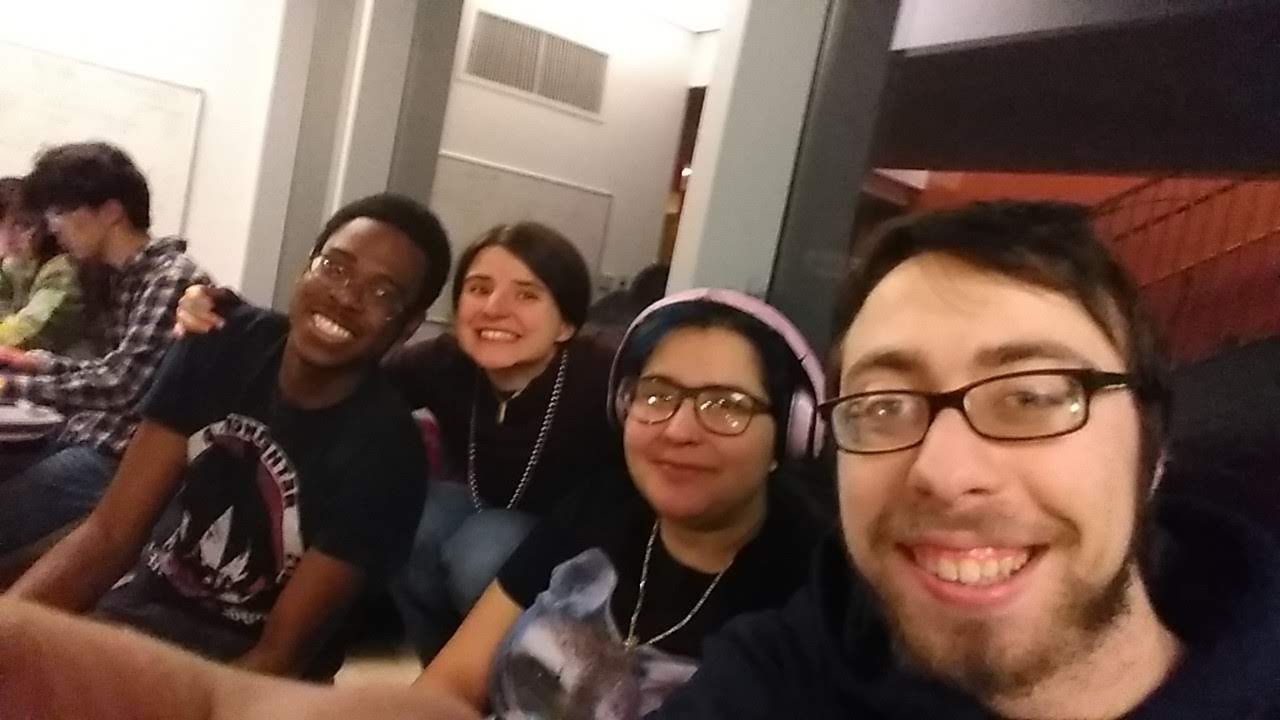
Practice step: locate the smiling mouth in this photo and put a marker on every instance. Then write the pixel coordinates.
(329, 328)
(972, 567)
(497, 335)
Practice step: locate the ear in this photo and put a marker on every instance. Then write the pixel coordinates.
(567, 331)
(111, 212)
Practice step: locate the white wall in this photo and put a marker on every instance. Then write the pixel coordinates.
(629, 152)
(747, 140)
(226, 48)
(706, 46)
(923, 23)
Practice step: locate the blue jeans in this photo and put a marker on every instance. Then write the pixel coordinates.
(457, 553)
(61, 485)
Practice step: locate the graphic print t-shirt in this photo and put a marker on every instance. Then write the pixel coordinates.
(265, 481)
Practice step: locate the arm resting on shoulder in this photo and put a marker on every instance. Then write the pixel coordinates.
(82, 567)
(462, 668)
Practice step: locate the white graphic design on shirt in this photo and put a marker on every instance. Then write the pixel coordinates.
(239, 536)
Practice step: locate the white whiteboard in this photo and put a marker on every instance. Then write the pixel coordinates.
(48, 100)
(471, 196)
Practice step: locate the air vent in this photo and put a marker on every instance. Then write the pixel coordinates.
(534, 61)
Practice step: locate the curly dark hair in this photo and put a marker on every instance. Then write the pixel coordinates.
(409, 217)
(88, 174)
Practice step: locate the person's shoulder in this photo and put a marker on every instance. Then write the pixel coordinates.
(245, 322)
(170, 260)
(57, 264)
(249, 334)
(439, 353)
(594, 351)
(762, 664)
(806, 629)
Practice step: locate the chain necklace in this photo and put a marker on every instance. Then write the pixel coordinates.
(538, 444)
(632, 641)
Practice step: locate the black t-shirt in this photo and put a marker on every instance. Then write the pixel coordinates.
(581, 443)
(611, 515)
(266, 481)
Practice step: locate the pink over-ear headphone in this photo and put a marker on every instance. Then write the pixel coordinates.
(805, 430)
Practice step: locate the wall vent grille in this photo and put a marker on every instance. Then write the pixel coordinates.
(528, 59)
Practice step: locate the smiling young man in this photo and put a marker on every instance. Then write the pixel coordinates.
(298, 472)
(98, 204)
(1000, 419)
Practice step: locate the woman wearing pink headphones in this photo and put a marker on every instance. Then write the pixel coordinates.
(604, 607)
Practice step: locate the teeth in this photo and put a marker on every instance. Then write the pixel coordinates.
(976, 567)
(330, 328)
(498, 335)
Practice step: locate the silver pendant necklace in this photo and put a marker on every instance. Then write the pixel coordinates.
(632, 641)
(538, 444)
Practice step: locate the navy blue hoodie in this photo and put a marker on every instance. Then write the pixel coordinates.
(828, 654)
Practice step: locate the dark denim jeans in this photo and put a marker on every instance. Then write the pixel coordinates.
(456, 554)
(56, 487)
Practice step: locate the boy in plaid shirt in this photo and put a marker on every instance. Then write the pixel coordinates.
(97, 202)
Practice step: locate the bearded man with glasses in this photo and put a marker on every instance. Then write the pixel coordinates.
(999, 407)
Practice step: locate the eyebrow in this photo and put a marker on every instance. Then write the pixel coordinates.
(1015, 352)
(906, 361)
(896, 360)
(520, 283)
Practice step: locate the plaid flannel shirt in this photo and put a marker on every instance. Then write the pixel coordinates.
(100, 396)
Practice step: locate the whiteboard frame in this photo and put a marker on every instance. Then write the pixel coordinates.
(198, 93)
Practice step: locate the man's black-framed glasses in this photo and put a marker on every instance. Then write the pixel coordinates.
(381, 296)
(1027, 405)
(720, 409)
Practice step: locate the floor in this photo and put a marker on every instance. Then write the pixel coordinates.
(379, 667)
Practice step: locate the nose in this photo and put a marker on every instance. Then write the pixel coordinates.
(683, 426)
(496, 303)
(345, 294)
(953, 462)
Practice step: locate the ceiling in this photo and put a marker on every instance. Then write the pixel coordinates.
(697, 16)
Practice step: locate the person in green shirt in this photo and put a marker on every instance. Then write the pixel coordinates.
(41, 298)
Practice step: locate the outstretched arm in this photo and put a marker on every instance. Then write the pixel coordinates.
(57, 666)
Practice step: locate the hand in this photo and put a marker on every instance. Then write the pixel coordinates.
(19, 360)
(195, 314)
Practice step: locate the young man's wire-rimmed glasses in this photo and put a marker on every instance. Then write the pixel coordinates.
(1027, 405)
(382, 296)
